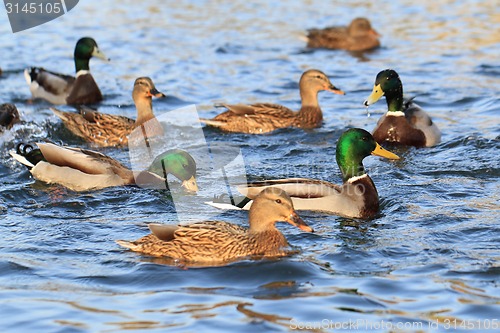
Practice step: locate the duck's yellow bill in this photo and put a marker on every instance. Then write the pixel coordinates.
(99, 54)
(190, 184)
(379, 151)
(377, 92)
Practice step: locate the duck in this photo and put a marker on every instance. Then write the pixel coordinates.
(217, 242)
(405, 122)
(106, 130)
(66, 89)
(8, 116)
(359, 36)
(357, 197)
(86, 170)
(262, 118)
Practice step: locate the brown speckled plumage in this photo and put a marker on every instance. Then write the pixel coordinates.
(358, 36)
(215, 242)
(266, 117)
(111, 130)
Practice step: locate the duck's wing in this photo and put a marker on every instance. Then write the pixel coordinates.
(416, 115)
(105, 119)
(84, 90)
(330, 37)
(202, 241)
(255, 118)
(87, 161)
(164, 232)
(295, 187)
(257, 109)
(51, 86)
(421, 120)
(100, 128)
(79, 169)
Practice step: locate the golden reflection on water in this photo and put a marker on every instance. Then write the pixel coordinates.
(73, 324)
(139, 325)
(467, 295)
(283, 321)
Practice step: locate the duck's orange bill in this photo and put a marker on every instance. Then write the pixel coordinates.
(335, 90)
(295, 220)
(155, 93)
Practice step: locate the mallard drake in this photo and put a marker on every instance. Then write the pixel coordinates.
(215, 242)
(85, 170)
(8, 116)
(358, 36)
(65, 89)
(265, 117)
(405, 122)
(107, 130)
(357, 197)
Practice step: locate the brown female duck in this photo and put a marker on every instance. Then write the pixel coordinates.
(65, 89)
(265, 117)
(358, 36)
(107, 130)
(213, 243)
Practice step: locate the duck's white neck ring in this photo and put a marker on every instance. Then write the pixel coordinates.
(82, 72)
(353, 179)
(395, 113)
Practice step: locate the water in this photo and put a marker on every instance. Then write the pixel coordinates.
(431, 255)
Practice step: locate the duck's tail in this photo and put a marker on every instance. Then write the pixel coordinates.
(27, 154)
(236, 203)
(60, 114)
(129, 245)
(30, 74)
(212, 122)
(303, 37)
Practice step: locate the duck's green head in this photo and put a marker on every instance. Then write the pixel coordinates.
(353, 146)
(387, 84)
(85, 49)
(178, 163)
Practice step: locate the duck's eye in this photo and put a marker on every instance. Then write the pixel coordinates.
(278, 201)
(184, 166)
(318, 76)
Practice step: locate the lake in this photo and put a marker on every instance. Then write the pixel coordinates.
(429, 261)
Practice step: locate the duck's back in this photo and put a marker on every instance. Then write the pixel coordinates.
(99, 128)
(413, 127)
(255, 118)
(211, 242)
(339, 38)
(331, 37)
(84, 91)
